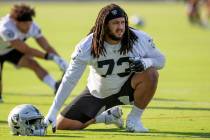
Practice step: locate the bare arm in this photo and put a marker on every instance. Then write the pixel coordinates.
(24, 48)
(42, 41)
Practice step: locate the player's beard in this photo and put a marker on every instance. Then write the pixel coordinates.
(113, 37)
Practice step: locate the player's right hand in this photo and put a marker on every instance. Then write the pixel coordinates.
(60, 62)
(49, 56)
(50, 120)
(136, 65)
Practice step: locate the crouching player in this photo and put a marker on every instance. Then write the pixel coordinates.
(123, 66)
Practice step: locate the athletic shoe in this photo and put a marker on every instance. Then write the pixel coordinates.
(133, 125)
(114, 116)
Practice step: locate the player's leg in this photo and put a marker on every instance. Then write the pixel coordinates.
(144, 85)
(193, 11)
(85, 110)
(110, 116)
(79, 113)
(208, 8)
(42, 74)
(21, 60)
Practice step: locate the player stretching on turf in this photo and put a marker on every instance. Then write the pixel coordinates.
(15, 28)
(123, 66)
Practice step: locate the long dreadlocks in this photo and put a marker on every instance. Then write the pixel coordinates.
(99, 30)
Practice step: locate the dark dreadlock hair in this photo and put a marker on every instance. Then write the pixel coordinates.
(99, 30)
(22, 12)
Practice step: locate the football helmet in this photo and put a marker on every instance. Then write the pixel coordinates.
(26, 120)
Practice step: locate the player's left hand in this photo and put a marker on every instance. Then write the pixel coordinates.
(136, 65)
(50, 119)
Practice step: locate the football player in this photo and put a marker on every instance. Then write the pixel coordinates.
(194, 11)
(123, 66)
(15, 29)
(208, 8)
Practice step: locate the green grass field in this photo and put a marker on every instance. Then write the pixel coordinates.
(181, 106)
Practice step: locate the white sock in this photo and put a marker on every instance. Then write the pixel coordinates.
(49, 81)
(136, 112)
(102, 117)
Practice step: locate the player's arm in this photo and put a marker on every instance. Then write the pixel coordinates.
(153, 58)
(42, 41)
(24, 48)
(51, 53)
(69, 81)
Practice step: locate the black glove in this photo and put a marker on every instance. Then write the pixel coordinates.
(49, 56)
(136, 65)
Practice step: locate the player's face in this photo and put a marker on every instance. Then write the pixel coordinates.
(23, 26)
(116, 28)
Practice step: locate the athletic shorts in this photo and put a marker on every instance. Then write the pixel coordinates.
(86, 107)
(13, 57)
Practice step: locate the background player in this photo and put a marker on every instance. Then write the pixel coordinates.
(15, 29)
(194, 12)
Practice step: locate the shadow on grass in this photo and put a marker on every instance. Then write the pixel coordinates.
(34, 103)
(27, 94)
(18, 103)
(32, 94)
(155, 133)
(186, 134)
(123, 132)
(3, 122)
(168, 100)
(64, 136)
(174, 108)
(181, 108)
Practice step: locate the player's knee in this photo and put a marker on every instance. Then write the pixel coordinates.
(152, 77)
(68, 124)
(149, 77)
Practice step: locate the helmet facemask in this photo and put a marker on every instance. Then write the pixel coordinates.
(34, 127)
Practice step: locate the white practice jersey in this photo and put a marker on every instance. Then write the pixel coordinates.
(107, 73)
(9, 32)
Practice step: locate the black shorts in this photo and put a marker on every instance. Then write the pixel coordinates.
(13, 57)
(86, 107)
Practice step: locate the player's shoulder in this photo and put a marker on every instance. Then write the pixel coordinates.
(35, 26)
(85, 44)
(83, 49)
(8, 30)
(141, 34)
(35, 30)
(144, 39)
(7, 24)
